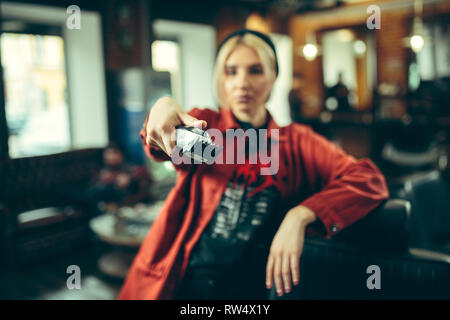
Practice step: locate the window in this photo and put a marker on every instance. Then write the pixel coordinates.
(166, 57)
(196, 46)
(36, 108)
(64, 104)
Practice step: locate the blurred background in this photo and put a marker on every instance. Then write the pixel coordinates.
(79, 77)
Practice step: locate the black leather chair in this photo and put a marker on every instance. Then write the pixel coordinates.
(429, 195)
(40, 213)
(337, 268)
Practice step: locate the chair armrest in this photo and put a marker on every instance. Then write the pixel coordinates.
(429, 255)
(385, 229)
(8, 228)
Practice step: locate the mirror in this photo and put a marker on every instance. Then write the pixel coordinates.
(429, 71)
(349, 68)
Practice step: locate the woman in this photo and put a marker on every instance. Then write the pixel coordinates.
(227, 231)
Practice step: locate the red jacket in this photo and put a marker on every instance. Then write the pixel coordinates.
(312, 172)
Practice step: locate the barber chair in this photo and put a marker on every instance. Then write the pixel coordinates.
(340, 267)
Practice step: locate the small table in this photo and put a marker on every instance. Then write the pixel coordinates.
(109, 229)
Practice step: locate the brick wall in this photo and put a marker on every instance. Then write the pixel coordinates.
(123, 33)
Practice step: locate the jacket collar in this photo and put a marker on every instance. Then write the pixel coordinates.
(227, 120)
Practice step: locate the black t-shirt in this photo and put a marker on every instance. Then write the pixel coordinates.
(243, 223)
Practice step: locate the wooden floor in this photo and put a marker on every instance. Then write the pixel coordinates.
(48, 281)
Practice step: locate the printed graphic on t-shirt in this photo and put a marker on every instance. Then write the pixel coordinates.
(243, 219)
(238, 223)
(244, 205)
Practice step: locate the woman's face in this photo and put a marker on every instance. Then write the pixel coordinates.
(245, 86)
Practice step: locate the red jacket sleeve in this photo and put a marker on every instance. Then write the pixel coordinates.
(152, 152)
(349, 188)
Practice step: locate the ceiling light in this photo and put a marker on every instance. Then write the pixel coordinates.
(310, 51)
(416, 42)
(359, 47)
(256, 21)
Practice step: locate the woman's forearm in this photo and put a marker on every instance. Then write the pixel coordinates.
(303, 215)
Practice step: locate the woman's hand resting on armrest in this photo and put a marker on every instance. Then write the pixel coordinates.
(286, 249)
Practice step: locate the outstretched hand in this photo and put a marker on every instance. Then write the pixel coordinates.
(164, 116)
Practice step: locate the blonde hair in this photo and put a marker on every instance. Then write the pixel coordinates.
(263, 50)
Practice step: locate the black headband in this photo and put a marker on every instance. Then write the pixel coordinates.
(260, 35)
